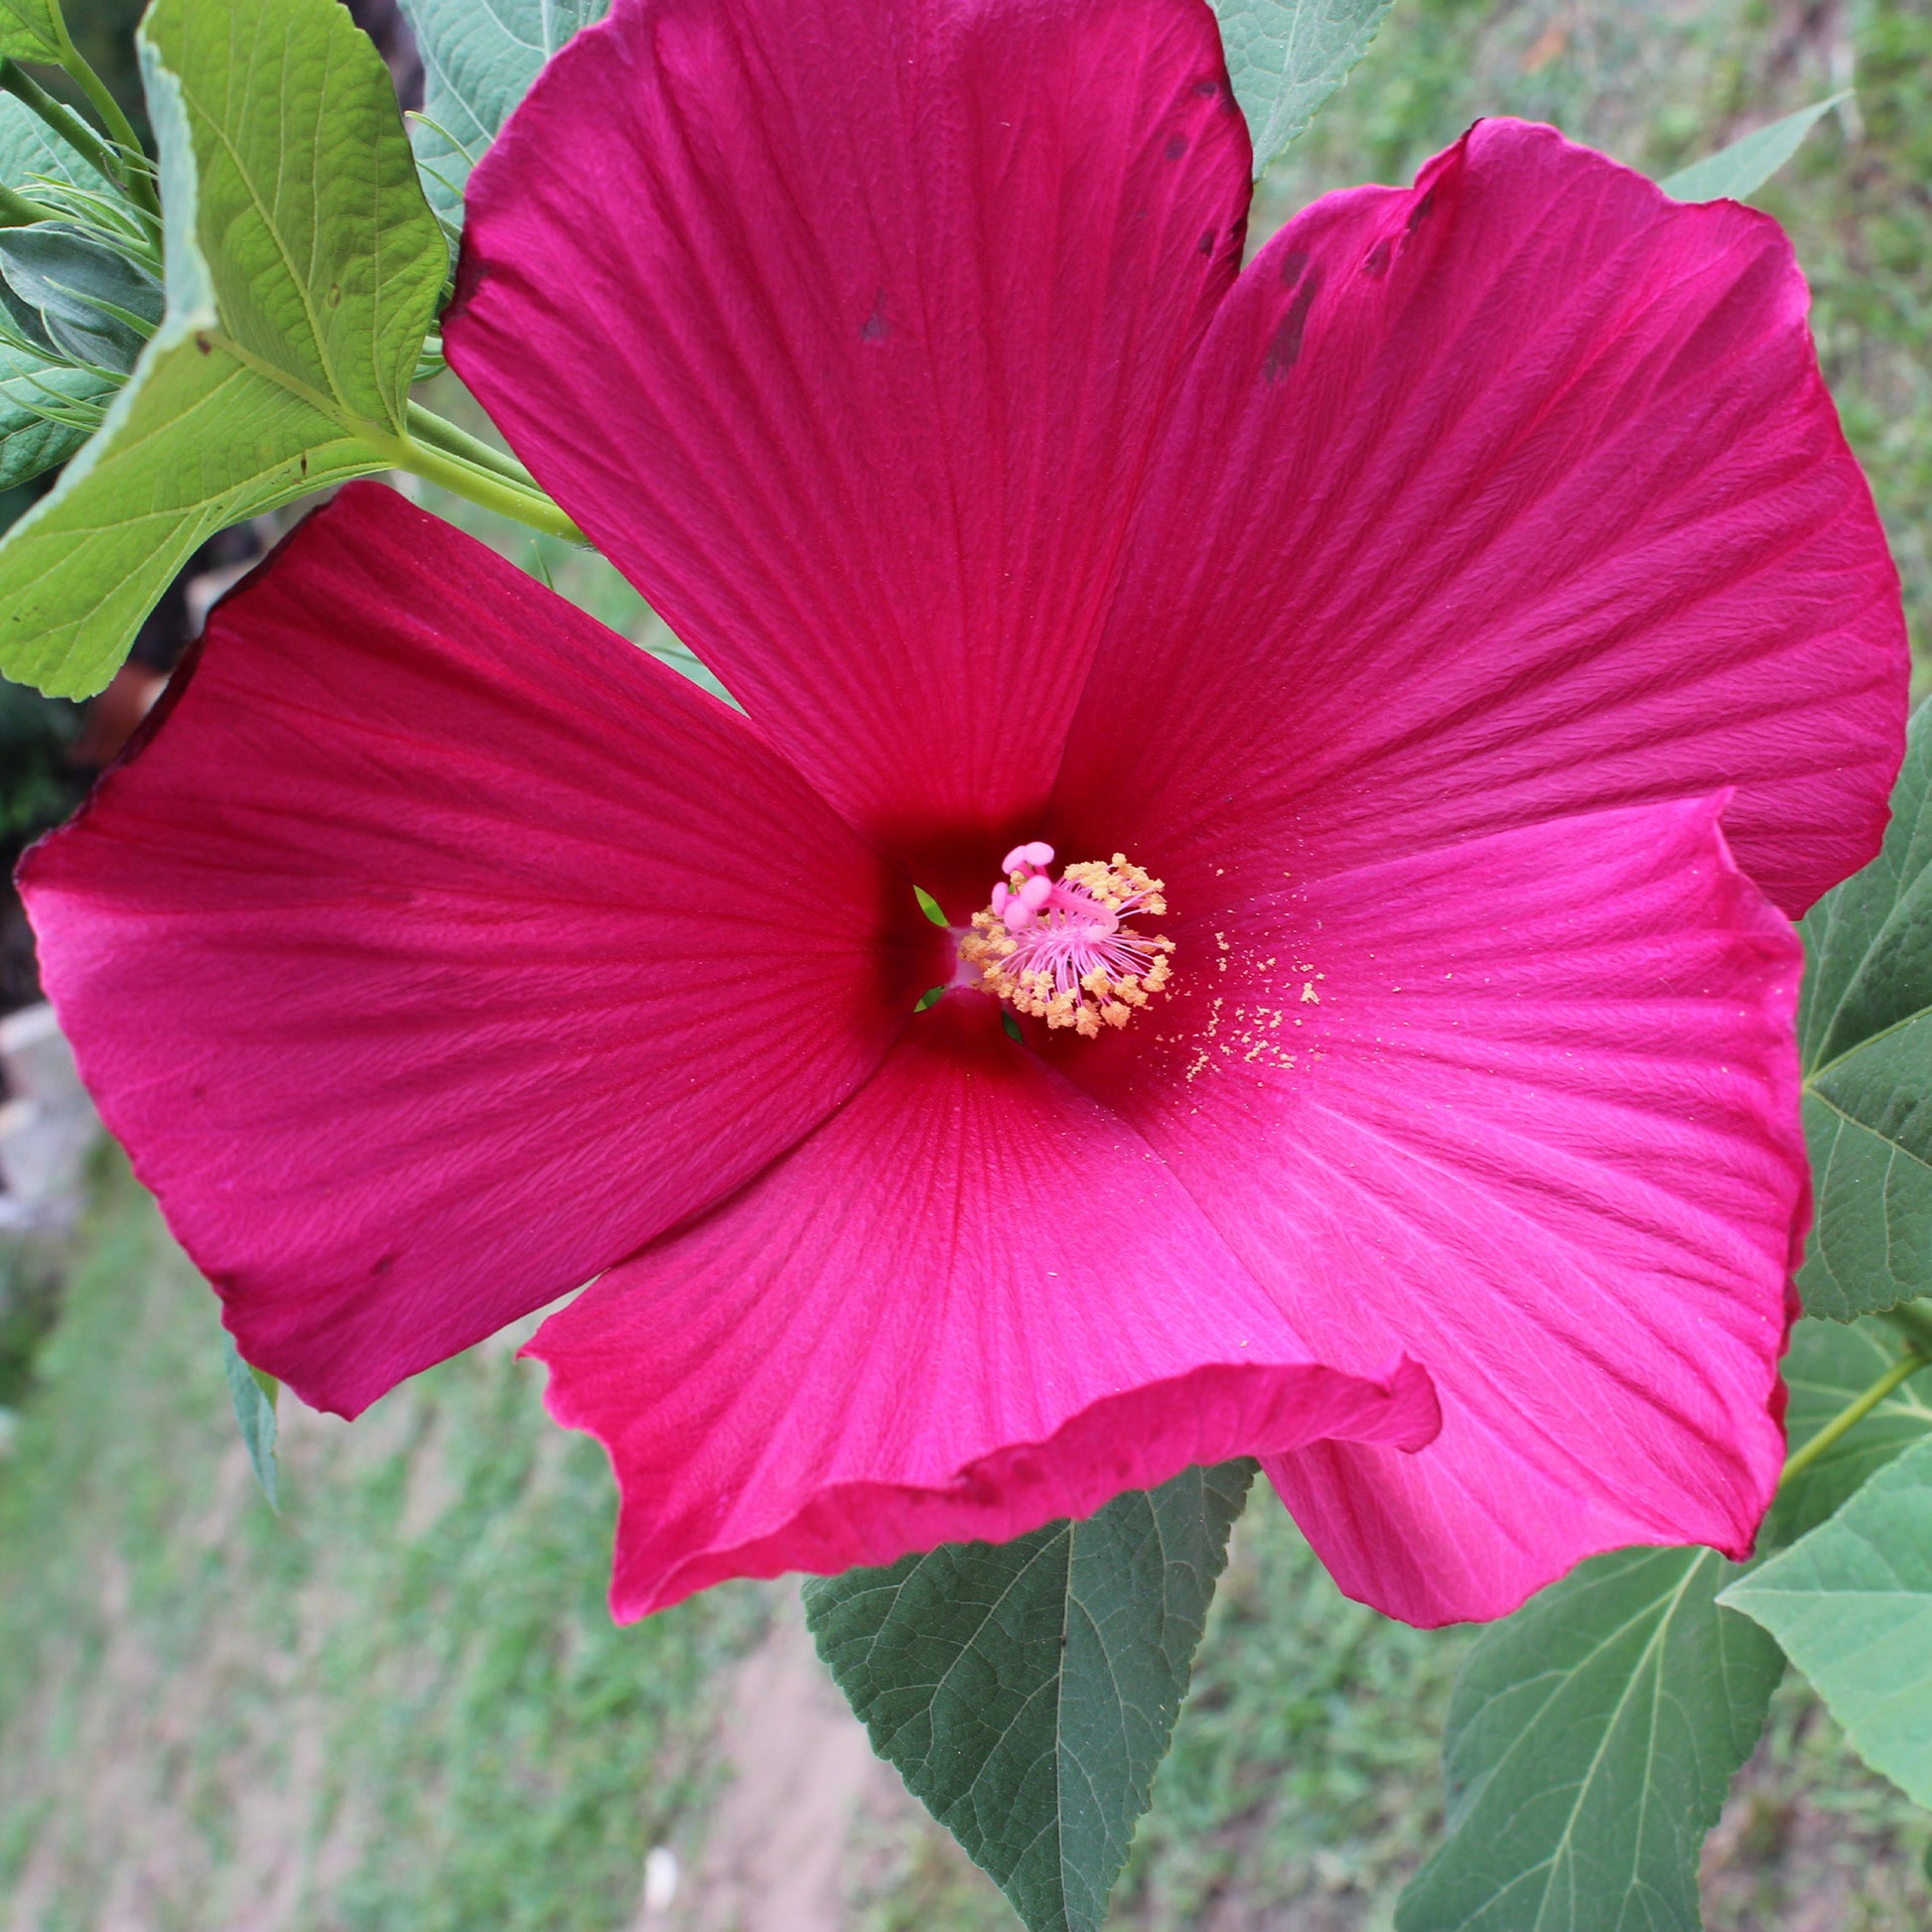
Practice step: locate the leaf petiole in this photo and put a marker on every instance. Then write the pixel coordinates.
(1854, 1412)
(488, 479)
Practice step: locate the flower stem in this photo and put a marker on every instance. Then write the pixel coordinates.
(1854, 1412)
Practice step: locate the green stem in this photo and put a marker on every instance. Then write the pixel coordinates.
(523, 503)
(105, 106)
(17, 211)
(65, 122)
(425, 426)
(1854, 1412)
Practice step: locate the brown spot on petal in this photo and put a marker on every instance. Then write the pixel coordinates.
(1284, 346)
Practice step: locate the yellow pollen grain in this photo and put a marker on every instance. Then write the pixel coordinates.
(1100, 997)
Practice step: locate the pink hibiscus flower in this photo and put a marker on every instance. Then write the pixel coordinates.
(1381, 706)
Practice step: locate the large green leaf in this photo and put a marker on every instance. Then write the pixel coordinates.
(1827, 1368)
(303, 267)
(30, 30)
(1592, 1738)
(1750, 162)
(478, 60)
(1852, 1605)
(1026, 1691)
(1287, 56)
(1864, 1033)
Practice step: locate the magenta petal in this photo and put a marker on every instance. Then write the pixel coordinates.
(1513, 495)
(859, 392)
(441, 948)
(1526, 1110)
(970, 1303)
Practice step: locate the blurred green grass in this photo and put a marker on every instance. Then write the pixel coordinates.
(402, 1704)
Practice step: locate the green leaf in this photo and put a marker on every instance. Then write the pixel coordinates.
(30, 30)
(1827, 1368)
(1734, 171)
(1852, 1605)
(253, 1395)
(1287, 56)
(28, 148)
(1026, 1691)
(1592, 1738)
(29, 388)
(322, 256)
(85, 293)
(1865, 1035)
(478, 64)
(303, 267)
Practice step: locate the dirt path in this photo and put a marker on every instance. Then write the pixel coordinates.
(803, 1777)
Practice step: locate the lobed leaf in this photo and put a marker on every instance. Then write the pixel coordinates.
(303, 267)
(1027, 1692)
(478, 64)
(1852, 1605)
(1287, 56)
(1864, 1032)
(1592, 1738)
(1750, 162)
